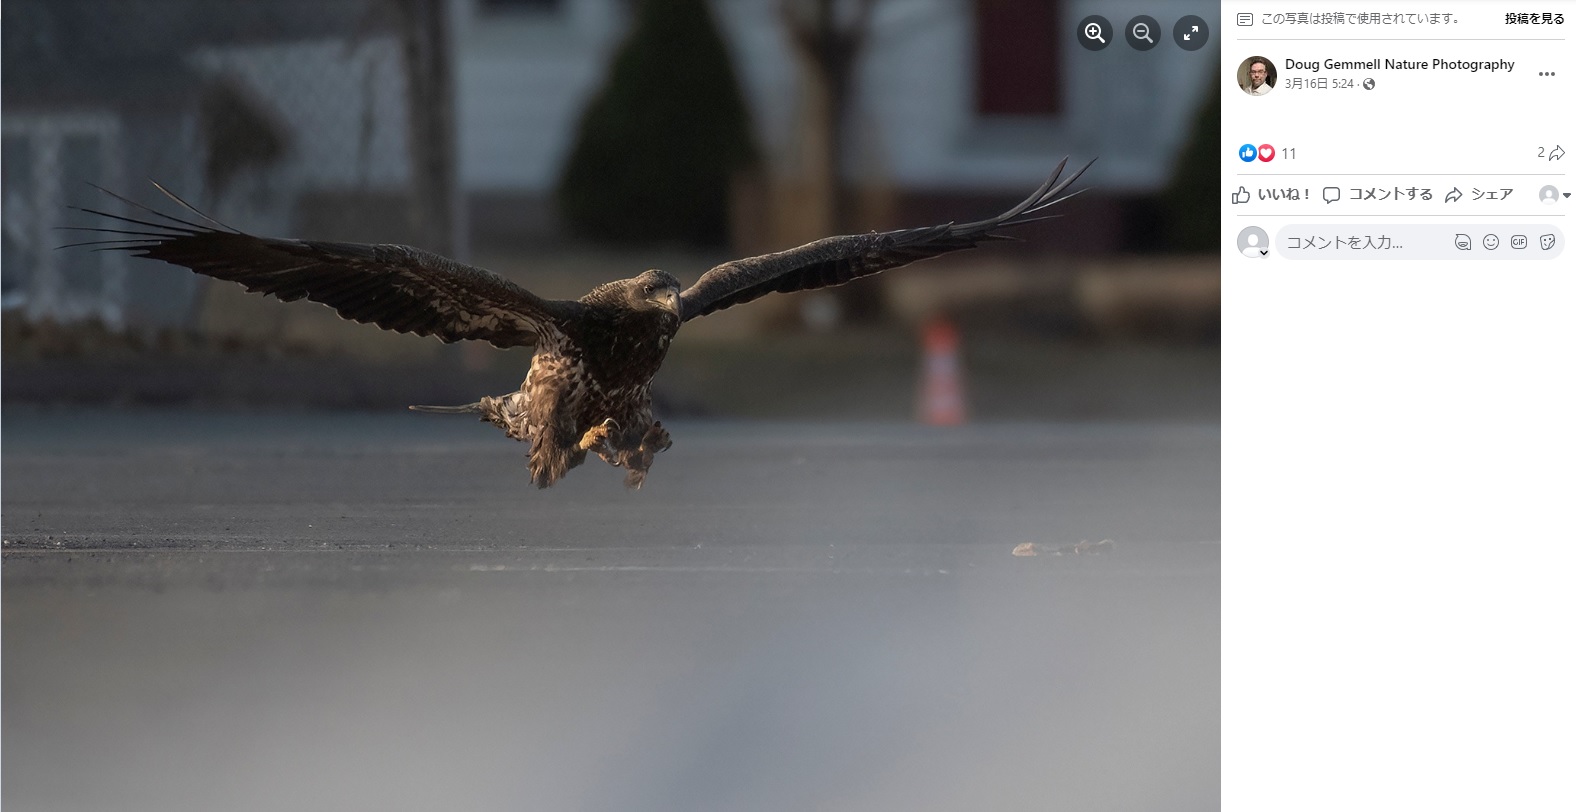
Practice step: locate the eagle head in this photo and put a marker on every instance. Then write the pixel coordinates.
(653, 289)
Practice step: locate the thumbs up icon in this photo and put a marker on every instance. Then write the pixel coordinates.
(1239, 196)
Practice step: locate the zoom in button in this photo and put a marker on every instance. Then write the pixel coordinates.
(1095, 32)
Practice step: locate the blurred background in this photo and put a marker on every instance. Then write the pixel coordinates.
(563, 143)
(227, 585)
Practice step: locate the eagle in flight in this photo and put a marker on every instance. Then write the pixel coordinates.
(589, 386)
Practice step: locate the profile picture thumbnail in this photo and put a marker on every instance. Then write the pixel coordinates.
(1256, 76)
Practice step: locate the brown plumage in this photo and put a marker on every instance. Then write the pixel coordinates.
(588, 389)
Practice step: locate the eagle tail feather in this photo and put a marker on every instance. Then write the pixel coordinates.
(469, 408)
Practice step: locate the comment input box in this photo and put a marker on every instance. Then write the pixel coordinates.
(1462, 241)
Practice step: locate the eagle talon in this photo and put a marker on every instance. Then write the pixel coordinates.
(599, 438)
(656, 439)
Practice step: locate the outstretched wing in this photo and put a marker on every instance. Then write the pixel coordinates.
(396, 287)
(835, 260)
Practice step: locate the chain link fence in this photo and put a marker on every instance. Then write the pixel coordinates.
(300, 117)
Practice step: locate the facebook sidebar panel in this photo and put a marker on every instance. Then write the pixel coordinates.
(1398, 367)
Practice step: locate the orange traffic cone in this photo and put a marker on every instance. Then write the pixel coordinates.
(941, 390)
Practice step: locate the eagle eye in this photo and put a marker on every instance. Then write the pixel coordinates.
(649, 289)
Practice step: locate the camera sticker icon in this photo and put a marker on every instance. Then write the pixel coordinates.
(1518, 241)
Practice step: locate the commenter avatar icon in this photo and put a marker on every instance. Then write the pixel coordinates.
(1253, 243)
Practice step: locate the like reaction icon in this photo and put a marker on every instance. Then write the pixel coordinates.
(1240, 196)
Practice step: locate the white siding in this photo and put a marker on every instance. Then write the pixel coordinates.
(522, 82)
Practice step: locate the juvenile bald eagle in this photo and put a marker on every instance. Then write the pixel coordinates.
(588, 389)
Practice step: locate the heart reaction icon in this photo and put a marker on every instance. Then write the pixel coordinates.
(1266, 153)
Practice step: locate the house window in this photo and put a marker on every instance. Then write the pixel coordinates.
(49, 160)
(1018, 64)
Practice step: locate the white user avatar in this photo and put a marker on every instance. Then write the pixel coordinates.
(1548, 195)
(1253, 251)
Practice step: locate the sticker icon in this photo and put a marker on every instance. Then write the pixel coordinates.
(1266, 153)
(1546, 241)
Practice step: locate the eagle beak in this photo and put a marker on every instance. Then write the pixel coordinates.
(670, 300)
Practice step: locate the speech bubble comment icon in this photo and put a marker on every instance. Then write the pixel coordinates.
(1332, 194)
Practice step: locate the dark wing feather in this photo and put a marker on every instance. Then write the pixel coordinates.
(396, 287)
(836, 260)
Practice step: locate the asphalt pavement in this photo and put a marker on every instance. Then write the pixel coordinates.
(376, 611)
